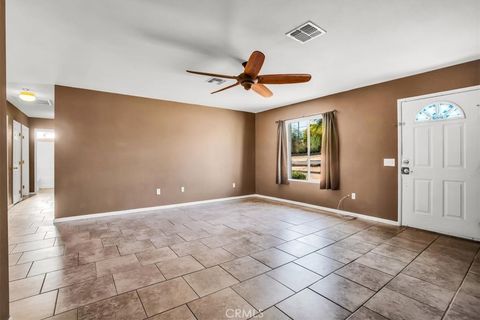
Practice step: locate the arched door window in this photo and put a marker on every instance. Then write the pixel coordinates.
(440, 111)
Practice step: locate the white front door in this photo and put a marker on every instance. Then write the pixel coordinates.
(440, 163)
(17, 162)
(25, 161)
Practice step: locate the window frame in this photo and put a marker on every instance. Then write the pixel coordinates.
(289, 147)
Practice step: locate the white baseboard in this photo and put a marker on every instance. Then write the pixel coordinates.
(146, 209)
(342, 212)
(193, 203)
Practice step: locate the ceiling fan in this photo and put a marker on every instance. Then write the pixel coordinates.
(250, 78)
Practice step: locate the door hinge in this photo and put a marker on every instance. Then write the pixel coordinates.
(401, 123)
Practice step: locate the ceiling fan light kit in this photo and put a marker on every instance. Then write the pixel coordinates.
(250, 78)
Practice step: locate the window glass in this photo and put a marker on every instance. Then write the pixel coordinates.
(440, 111)
(305, 140)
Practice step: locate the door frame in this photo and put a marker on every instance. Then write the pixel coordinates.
(35, 151)
(399, 140)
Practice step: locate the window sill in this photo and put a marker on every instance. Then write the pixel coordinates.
(304, 181)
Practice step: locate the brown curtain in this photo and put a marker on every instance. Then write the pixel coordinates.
(282, 166)
(330, 166)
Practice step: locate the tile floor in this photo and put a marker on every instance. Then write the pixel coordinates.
(235, 260)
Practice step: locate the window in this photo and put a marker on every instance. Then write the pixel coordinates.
(305, 140)
(440, 111)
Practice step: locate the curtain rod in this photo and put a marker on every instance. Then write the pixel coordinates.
(306, 116)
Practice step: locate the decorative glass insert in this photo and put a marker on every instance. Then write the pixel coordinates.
(440, 111)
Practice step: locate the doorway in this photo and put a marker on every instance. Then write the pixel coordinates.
(20, 162)
(44, 159)
(439, 156)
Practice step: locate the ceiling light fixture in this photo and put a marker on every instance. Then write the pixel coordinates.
(27, 95)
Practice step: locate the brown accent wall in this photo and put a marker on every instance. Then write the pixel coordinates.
(112, 151)
(367, 127)
(4, 312)
(13, 114)
(36, 123)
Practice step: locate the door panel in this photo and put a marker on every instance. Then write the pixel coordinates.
(25, 162)
(16, 163)
(442, 191)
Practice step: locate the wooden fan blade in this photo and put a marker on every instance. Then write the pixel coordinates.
(283, 78)
(254, 64)
(233, 85)
(262, 90)
(212, 74)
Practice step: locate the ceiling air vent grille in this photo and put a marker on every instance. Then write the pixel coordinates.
(216, 81)
(306, 32)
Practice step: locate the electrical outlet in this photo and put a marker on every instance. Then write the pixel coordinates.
(234, 185)
(182, 189)
(159, 192)
(354, 196)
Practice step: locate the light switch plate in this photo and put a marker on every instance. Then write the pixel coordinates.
(389, 162)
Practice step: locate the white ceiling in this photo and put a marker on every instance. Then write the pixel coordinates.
(142, 47)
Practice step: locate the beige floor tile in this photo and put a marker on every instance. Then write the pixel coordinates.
(262, 292)
(166, 295)
(366, 276)
(356, 245)
(137, 278)
(98, 254)
(273, 257)
(297, 248)
(209, 280)
(294, 276)
(398, 253)
(156, 255)
(34, 308)
(33, 245)
(366, 314)
(179, 266)
(212, 257)
(188, 248)
(165, 241)
(344, 292)
(116, 265)
(53, 264)
(126, 306)
(471, 285)
(316, 241)
(245, 268)
(421, 291)
(332, 234)
(75, 247)
(382, 263)
(437, 275)
(84, 293)
(41, 254)
(129, 247)
(179, 313)
(13, 258)
(243, 248)
(396, 306)
(272, 313)
(27, 287)
(319, 264)
(18, 271)
(69, 315)
(308, 305)
(225, 304)
(464, 306)
(66, 277)
(340, 254)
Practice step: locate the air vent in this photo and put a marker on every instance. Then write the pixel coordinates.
(306, 32)
(216, 81)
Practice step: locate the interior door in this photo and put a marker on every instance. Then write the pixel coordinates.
(441, 163)
(25, 161)
(16, 162)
